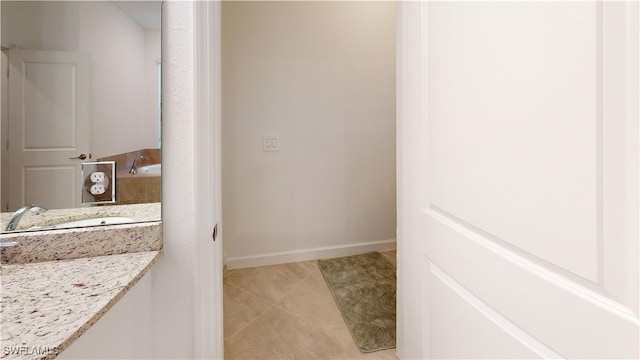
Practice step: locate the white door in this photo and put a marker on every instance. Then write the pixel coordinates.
(48, 127)
(518, 180)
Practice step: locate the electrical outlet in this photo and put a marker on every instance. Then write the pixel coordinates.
(97, 189)
(97, 177)
(270, 142)
(98, 182)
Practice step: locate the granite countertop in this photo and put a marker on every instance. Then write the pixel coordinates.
(45, 306)
(139, 212)
(55, 284)
(39, 246)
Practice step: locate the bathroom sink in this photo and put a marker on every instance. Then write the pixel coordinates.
(150, 169)
(110, 220)
(107, 220)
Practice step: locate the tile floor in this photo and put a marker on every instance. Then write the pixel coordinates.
(286, 312)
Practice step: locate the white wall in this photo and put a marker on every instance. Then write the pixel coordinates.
(173, 281)
(117, 48)
(120, 61)
(322, 76)
(152, 41)
(40, 25)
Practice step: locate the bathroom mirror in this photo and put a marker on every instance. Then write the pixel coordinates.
(81, 82)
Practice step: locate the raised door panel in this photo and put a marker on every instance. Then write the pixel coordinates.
(563, 317)
(456, 312)
(49, 105)
(524, 149)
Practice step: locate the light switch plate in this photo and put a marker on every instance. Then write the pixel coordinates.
(270, 142)
(98, 182)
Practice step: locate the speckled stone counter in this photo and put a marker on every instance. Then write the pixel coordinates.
(139, 212)
(37, 246)
(45, 306)
(55, 284)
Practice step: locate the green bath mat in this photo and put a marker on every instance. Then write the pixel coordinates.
(364, 288)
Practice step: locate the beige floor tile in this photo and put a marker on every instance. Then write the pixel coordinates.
(391, 256)
(302, 323)
(312, 302)
(353, 353)
(279, 335)
(240, 309)
(226, 272)
(270, 283)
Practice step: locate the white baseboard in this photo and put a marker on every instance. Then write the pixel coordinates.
(309, 254)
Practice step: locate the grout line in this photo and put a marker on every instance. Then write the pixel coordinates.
(293, 287)
(268, 306)
(228, 272)
(247, 291)
(249, 323)
(290, 292)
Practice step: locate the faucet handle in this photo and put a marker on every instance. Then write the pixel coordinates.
(133, 169)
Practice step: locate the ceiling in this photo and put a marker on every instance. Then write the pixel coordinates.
(146, 13)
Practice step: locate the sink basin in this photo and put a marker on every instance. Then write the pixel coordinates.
(97, 221)
(150, 169)
(107, 220)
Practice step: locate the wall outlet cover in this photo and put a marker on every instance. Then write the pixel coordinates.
(97, 177)
(98, 182)
(97, 189)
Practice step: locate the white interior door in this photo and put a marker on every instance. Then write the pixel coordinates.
(519, 186)
(48, 127)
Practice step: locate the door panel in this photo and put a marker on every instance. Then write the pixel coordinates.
(568, 318)
(456, 311)
(49, 106)
(518, 168)
(48, 125)
(495, 124)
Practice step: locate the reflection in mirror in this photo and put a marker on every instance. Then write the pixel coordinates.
(80, 83)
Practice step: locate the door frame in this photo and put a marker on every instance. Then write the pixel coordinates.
(411, 57)
(208, 310)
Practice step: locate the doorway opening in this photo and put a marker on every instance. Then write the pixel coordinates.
(308, 134)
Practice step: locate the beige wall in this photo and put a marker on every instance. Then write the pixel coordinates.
(322, 76)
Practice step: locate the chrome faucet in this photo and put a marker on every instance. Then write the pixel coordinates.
(15, 219)
(134, 170)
